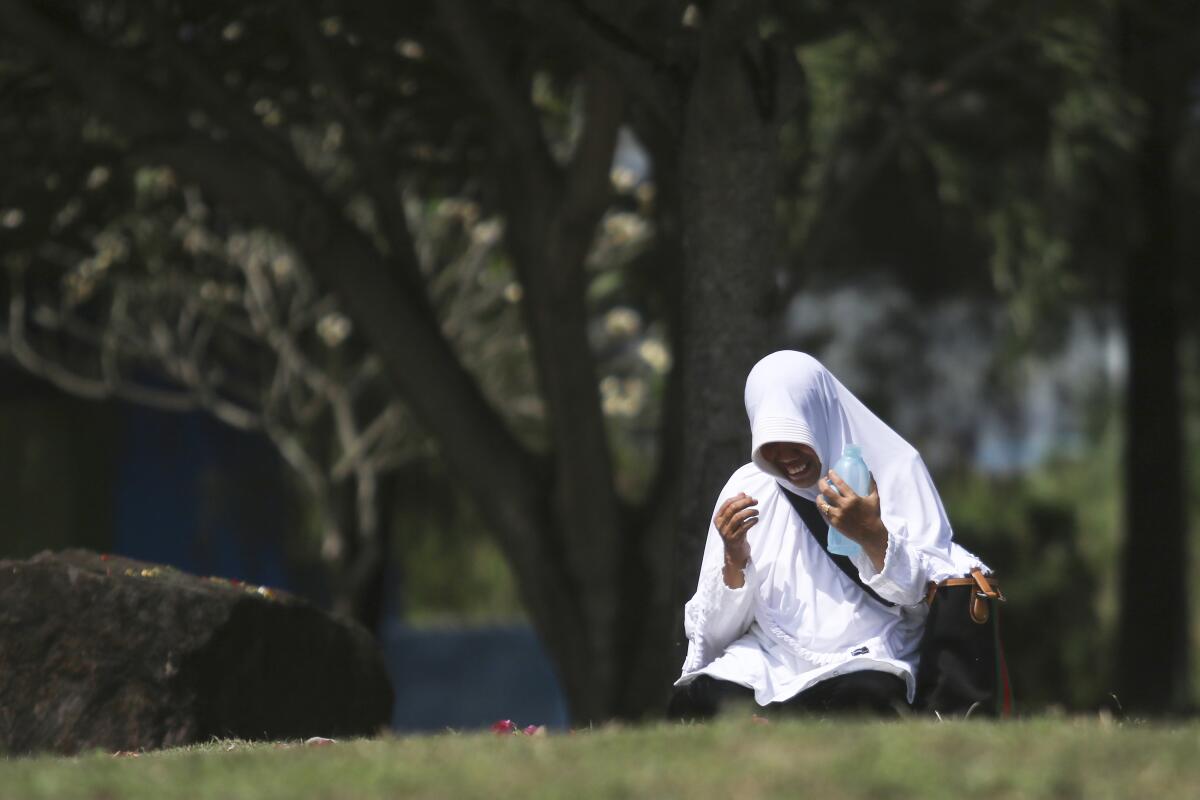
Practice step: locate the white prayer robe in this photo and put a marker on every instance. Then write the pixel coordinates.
(799, 619)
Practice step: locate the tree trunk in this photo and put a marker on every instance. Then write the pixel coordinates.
(1152, 648)
(647, 659)
(360, 584)
(729, 174)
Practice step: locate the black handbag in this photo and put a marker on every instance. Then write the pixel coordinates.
(962, 671)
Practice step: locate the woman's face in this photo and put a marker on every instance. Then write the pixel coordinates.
(798, 462)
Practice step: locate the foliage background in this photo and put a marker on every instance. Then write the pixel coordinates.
(952, 206)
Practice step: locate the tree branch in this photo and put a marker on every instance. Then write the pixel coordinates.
(222, 104)
(588, 191)
(617, 36)
(498, 471)
(642, 77)
(511, 107)
(833, 213)
(112, 385)
(375, 165)
(665, 264)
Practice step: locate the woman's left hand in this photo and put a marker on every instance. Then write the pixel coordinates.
(855, 515)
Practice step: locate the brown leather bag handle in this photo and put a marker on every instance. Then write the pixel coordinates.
(986, 590)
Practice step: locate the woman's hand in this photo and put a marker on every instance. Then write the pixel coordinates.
(734, 518)
(856, 516)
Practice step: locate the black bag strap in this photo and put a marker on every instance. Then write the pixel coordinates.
(819, 529)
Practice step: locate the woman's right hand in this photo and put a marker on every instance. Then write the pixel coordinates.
(734, 519)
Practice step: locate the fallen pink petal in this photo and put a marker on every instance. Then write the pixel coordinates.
(319, 741)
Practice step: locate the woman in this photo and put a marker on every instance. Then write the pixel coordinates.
(773, 614)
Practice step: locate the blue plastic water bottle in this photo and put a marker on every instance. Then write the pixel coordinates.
(853, 470)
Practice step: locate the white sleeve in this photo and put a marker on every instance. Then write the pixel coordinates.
(717, 615)
(906, 569)
(909, 568)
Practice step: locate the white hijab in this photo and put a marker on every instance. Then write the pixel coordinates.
(792, 397)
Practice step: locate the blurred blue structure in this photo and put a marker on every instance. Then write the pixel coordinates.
(200, 496)
(465, 678)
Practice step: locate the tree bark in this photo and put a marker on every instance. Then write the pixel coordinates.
(1153, 637)
(552, 227)
(648, 660)
(360, 581)
(729, 174)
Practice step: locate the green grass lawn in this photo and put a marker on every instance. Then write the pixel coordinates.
(1062, 758)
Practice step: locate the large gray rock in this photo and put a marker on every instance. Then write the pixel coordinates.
(100, 651)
